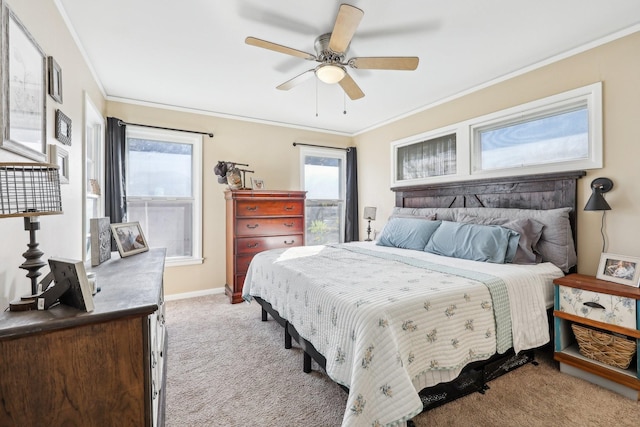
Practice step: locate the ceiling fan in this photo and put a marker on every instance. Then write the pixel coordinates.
(331, 49)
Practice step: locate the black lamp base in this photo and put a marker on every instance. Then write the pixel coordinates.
(33, 255)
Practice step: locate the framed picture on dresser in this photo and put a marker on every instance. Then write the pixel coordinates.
(129, 238)
(619, 269)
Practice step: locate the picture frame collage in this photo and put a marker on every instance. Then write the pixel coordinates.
(23, 126)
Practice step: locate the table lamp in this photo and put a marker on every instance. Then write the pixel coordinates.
(30, 190)
(369, 215)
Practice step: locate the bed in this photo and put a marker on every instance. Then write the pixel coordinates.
(394, 324)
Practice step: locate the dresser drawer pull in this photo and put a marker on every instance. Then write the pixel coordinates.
(594, 305)
(289, 243)
(253, 245)
(288, 208)
(252, 208)
(254, 226)
(288, 224)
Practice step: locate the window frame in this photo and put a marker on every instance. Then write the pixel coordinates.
(335, 153)
(468, 141)
(92, 119)
(587, 96)
(140, 132)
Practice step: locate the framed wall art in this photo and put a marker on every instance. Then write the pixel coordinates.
(63, 128)
(24, 89)
(619, 269)
(129, 238)
(59, 156)
(54, 73)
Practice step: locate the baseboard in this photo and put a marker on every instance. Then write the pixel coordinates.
(193, 294)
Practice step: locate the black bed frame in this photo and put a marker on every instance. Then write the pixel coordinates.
(543, 191)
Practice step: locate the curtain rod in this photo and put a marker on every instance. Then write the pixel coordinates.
(322, 146)
(210, 135)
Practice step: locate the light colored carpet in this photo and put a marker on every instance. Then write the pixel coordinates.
(228, 368)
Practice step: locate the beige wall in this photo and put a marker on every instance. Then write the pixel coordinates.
(617, 65)
(267, 149)
(60, 235)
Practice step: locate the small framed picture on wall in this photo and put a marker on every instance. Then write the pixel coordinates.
(63, 128)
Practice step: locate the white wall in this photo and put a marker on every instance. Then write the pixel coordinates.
(60, 235)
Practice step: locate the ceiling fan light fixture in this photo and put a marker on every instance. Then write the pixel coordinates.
(330, 73)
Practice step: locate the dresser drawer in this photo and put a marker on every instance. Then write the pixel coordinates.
(612, 309)
(252, 245)
(268, 226)
(242, 263)
(269, 207)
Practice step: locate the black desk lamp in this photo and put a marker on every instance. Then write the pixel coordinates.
(597, 202)
(369, 215)
(29, 190)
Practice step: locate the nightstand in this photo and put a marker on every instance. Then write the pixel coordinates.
(607, 306)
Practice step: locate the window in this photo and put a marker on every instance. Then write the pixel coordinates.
(557, 137)
(163, 178)
(93, 170)
(432, 157)
(324, 179)
(553, 134)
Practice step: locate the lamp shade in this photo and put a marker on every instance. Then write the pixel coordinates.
(369, 213)
(597, 202)
(29, 189)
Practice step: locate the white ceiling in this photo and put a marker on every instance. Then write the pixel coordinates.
(191, 53)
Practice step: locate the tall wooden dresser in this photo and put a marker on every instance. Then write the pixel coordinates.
(258, 220)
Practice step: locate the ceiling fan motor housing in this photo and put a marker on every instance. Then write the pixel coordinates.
(326, 55)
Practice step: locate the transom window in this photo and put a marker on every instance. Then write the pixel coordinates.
(558, 133)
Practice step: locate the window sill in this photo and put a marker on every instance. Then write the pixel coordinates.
(178, 262)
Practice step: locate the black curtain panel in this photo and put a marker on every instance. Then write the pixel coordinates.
(351, 229)
(114, 187)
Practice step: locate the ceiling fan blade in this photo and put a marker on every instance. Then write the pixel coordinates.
(352, 90)
(297, 80)
(279, 48)
(385, 63)
(347, 22)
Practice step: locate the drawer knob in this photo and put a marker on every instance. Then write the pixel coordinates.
(288, 224)
(288, 208)
(289, 243)
(253, 245)
(252, 208)
(252, 226)
(594, 305)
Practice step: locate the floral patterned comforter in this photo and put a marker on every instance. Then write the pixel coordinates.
(392, 321)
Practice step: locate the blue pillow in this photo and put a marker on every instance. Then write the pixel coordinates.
(407, 233)
(476, 242)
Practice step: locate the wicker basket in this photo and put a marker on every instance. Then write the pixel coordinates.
(604, 347)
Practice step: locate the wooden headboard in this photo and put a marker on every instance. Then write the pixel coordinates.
(543, 191)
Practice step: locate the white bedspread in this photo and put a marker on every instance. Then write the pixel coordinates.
(389, 328)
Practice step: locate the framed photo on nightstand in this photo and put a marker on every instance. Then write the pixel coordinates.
(619, 269)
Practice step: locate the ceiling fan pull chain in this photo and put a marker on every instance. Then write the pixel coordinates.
(344, 102)
(316, 97)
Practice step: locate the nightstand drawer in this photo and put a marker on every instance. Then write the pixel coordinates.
(612, 309)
